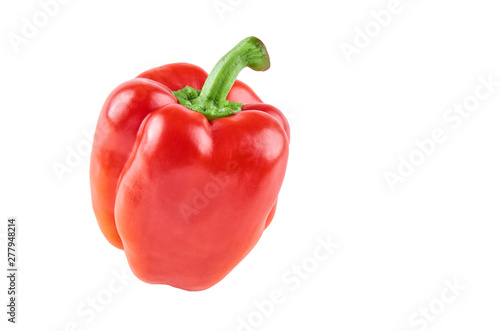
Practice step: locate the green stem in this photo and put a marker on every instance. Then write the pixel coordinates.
(211, 100)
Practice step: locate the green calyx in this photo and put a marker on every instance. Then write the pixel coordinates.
(190, 98)
(211, 100)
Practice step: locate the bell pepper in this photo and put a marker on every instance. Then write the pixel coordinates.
(186, 168)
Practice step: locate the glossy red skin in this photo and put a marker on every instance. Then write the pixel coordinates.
(152, 157)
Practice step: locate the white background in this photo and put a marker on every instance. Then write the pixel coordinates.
(351, 123)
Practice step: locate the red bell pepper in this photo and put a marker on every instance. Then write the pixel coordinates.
(186, 169)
